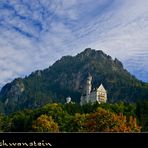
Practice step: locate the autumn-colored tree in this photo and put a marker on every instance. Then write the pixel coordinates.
(120, 124)
(124, 125)
(100, 121)
(133, 124)
(105, 121)
(45, 123)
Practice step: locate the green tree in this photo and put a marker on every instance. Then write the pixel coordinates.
(77, 123)
(142, 114)
(19, 122)
(73, 108)
(1, 122)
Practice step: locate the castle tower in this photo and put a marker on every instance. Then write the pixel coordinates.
(68, 100)
(88, 85)
(99, 95)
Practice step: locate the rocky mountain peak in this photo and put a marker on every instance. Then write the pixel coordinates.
(67, 77)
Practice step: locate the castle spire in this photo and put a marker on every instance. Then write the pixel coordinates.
(88, 84)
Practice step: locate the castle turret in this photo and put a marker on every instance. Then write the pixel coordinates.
(88, 85)
(68, 100)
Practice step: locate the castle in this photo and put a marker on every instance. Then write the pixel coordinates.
(99, 95)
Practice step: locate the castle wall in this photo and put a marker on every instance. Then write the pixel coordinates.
(92, 97)
(102, 96)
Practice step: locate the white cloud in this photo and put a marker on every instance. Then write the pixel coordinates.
(121, 32)
(35, 34)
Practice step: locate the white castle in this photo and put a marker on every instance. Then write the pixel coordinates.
(99, 95)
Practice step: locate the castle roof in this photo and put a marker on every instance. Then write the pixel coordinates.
(101, 88)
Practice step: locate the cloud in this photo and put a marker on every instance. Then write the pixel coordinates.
(122, 32)
(35, 33)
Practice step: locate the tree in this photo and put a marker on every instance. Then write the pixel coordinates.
(1, 122)
(100, 121)
(106, 121)
(45, 123)
(72, 108)
(20, 121)
(124, 125)
(142, 114)
(77, 124)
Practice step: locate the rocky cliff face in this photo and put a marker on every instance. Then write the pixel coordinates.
(67, 77)
(11, 93)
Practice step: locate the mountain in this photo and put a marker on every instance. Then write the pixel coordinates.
(67, 77)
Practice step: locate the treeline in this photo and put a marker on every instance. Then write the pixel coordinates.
(118, 117)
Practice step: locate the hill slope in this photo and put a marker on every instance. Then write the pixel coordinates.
(67, 77)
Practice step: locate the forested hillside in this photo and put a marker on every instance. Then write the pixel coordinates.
(67, 77)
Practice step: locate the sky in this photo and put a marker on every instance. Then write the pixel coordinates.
(36, 33)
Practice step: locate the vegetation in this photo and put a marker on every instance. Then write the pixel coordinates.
(106, 121)
(142, 114)
(45, 123)
(119, 117)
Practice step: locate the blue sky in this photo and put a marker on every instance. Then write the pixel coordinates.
(35, 33)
